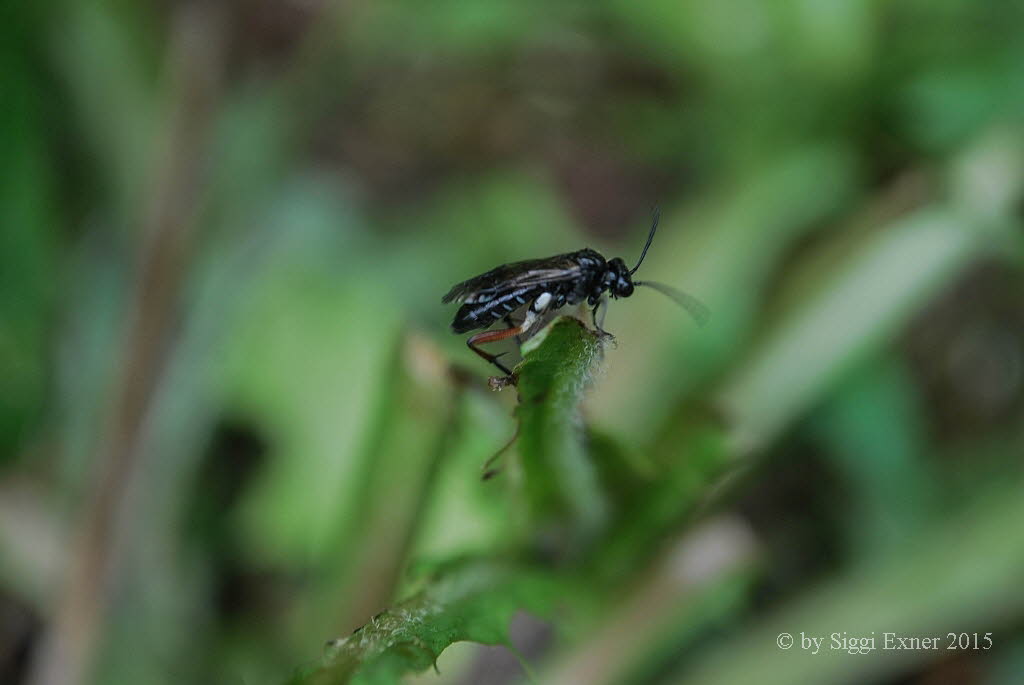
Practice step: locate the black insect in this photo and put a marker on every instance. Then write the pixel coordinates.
(546, 285)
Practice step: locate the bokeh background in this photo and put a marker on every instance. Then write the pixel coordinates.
(233, 422)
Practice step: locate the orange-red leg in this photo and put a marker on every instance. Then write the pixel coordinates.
(511, 324)
(489, 337)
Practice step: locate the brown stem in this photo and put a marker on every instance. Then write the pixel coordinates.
(65, 655)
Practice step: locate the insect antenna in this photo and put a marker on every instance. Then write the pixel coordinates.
(691, 304)
(650, 237)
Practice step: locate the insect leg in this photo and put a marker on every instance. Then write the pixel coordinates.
(533, 315)
(601, 305)
(511, 324)
(492, 336)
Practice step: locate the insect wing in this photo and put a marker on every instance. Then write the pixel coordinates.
(514, 276)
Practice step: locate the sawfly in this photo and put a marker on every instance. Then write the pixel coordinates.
(544, 285)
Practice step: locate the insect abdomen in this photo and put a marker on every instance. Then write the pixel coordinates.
(482, 312)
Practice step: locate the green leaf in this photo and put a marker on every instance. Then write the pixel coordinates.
(565, 501)
(476, 601)
(693, 456)
(473, 601)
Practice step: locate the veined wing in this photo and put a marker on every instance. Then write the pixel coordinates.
(516, 275)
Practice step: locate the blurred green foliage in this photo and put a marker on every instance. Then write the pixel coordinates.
(234, 424)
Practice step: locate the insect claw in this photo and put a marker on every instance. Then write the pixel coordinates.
(501, 382)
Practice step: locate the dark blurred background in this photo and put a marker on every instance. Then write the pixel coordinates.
(233, 417)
